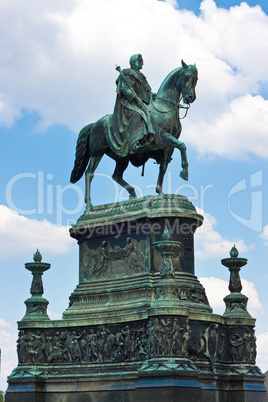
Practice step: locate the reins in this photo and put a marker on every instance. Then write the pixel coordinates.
(187, 107)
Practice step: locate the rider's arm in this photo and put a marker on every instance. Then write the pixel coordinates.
(127, 90)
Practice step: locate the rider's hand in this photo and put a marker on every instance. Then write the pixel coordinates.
(139, 103)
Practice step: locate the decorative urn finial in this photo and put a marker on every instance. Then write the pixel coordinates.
(166, 235)
(234, 252)
(236, 302)
(36, 305)
(37, 256)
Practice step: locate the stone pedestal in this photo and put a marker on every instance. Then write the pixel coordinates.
(139, 326)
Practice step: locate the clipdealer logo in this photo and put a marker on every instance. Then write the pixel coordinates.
(254, 205)
(50, 198)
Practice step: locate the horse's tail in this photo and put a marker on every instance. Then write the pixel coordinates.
(81, 155)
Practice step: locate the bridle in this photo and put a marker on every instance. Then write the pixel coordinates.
(176, 105)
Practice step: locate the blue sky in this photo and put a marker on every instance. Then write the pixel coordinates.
(57, 63)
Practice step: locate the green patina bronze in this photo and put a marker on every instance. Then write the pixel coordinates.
(36, 305)
(139, 326)
(143, 125)
(167, 248)
(236, 302)
(138, 318)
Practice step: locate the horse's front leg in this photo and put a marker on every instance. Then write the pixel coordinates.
(162, 170)
(171, 141)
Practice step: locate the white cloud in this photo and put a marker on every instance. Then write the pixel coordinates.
(255, 307)
(231, 27)
(231, 133)
(8, 354)
(59, 59)
(4, 323)
(21, 236)
(209, 244)
(217, 289)
(262, 351)
(54, 316)
(264, 234)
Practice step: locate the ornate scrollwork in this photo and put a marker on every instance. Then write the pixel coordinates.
(167, 202)
(195, 295)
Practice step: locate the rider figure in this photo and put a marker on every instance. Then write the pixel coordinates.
(131, 121)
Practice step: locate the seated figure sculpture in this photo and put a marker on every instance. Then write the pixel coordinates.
(131, 121)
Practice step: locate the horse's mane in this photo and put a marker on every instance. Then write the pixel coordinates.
(176, 74)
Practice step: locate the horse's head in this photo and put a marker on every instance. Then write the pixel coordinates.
(188, 81)
(180, 83)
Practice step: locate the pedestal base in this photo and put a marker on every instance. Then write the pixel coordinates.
(134, 331)
(159, 387)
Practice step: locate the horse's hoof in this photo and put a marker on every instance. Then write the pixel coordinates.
(184, 175)
(89, 207)
(159, 191)
(132, 196)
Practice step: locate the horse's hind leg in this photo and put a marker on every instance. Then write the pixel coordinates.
(93, 164)
(121, 165)
(162, 171)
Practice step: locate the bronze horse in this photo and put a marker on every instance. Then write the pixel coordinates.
(93, 140)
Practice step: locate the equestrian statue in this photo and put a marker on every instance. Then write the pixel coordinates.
(143, 125)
